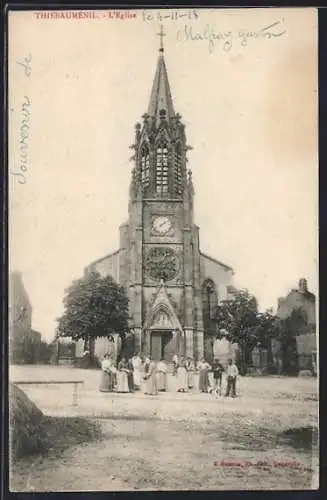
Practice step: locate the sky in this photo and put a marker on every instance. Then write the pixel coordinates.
(78, 86)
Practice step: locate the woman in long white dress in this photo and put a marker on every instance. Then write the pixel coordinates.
(162, 375)
(181, 376)
(175, 364)
(150, 379)
(190, 372)
(107, 375)
(204, 368)
(122, 376)
(137, 365)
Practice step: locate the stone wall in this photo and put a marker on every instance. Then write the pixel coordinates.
(221, 275)
(223, 350)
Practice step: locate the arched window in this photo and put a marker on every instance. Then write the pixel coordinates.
(178, 169)
(209, 300)
(162, 168)
(145, 166)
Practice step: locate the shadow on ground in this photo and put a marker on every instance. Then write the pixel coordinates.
(55, 434)
(300, 438)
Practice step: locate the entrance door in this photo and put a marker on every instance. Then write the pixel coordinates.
(161, 345)
(156, 346)
(167, 346)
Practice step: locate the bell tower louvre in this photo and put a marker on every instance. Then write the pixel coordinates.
(173, 288)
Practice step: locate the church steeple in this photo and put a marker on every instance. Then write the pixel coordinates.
(160, 143)
(161, 102)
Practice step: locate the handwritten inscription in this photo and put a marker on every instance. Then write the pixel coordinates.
(172, 15)
(26, 63)
(24, 126)
(227, 39)
(24, 133)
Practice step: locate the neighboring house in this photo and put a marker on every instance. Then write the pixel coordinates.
(20, 309)
(306, 342)
(24, 342)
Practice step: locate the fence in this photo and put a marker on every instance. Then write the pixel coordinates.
(52, 382)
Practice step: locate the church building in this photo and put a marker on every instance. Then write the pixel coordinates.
(173, 287)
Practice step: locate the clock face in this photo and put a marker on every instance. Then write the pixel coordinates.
(162, 224)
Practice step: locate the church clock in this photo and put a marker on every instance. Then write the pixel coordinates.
(161, 224)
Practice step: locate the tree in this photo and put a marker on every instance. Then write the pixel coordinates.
(243, 324)
(238, 318)
(95, 306)
(267, 329)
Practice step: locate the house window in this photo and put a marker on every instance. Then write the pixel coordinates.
(162, 169)
(145, 166)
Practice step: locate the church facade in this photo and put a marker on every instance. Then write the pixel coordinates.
(172, 286)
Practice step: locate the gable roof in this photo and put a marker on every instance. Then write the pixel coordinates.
(161, 302)
(216, 261)
(102, 259)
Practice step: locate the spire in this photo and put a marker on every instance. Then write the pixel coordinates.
(161, 34)
(161, 103)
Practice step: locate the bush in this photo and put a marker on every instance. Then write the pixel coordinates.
(272, 369)
(88, 363)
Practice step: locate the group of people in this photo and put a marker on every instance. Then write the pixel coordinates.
(139, 373)
(127, 376)
(184, 370)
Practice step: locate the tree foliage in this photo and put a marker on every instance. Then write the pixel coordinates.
(267, 328)
(95, 306)
(296, 322)
(237, 318)
(239, 321)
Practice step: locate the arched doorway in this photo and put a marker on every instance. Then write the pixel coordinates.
(162, 345)
(163, 338)
(163, 334)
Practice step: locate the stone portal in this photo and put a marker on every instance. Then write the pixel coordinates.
(162, 345)
(162, 329)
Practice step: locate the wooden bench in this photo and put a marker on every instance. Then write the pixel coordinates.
(48, 382)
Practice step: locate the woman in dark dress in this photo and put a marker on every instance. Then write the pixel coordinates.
(130, 375)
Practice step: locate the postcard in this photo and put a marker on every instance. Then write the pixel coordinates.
(163, 249)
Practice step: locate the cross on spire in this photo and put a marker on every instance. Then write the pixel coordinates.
(161, 34)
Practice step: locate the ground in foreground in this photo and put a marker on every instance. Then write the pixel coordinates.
(162, 455)
(173, 442)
